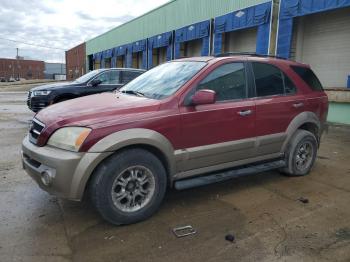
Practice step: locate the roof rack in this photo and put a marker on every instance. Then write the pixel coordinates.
(247, 54)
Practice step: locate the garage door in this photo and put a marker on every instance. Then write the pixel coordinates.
(240, 41)
(323, 41)
(191, 48)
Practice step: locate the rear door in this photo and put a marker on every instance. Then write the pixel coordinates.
(127, 76)
(223, 132)
(277, 103)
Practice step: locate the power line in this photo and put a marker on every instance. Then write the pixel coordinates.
(22, 42)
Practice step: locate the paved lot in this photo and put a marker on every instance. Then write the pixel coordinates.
(262, 211)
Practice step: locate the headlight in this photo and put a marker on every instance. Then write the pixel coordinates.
(69, 138)
(41, 93)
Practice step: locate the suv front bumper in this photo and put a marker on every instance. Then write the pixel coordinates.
(59, 172)
(36, 103)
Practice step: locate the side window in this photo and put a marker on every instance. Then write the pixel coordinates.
(228, 81)
(268, 80)
(104, 77)
(128, 76)
(114, 77)
(289, 86)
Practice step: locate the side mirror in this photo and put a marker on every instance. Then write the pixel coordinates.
(204, 96)
(95, 82)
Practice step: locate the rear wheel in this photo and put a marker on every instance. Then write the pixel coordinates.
(301, 154)
(128, 187)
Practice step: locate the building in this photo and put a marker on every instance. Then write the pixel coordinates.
(20, 68)
(55, 71)
(317, 33)
(75, 61)
(313, 32)
(182, 28)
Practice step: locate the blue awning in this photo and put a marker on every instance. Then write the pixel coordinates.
(161, 40)
(107, 53)
(244, 18)
(294, 8)
(191, 32)
(158, 41)
(139, 46)
(254, 16)
(122, 50)
(97, 56)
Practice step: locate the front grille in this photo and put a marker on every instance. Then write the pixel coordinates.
(35, 130)
(36, 103)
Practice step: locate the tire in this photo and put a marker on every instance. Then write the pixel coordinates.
(301, 154)
(118, 186)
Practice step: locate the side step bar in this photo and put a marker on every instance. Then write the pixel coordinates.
(226, 175)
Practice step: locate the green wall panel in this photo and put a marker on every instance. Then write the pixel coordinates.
(171, 16)
(339, 113)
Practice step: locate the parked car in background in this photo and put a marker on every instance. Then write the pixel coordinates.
(97, 81)
(2, 79)
(174, 126)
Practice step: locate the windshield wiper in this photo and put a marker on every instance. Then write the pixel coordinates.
(136, 93)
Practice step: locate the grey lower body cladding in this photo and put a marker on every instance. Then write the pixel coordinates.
(229, 174)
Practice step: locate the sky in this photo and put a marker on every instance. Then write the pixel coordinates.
(61, 24)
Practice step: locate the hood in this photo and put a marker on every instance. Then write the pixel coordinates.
(51, 86)
(95, 109)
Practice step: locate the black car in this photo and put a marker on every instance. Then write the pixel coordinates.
(97, 81)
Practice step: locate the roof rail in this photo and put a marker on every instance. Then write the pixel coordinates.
(247, 54)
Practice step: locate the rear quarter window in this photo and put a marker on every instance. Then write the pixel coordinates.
(308, 77)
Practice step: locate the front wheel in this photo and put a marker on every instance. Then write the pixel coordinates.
(129, 186)
(301, 154)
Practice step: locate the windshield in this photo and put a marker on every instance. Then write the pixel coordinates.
(164, 80)
(87, 76)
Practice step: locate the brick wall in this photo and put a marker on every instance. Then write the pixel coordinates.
(28, 69)
(75, 62)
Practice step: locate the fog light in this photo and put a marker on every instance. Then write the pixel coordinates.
(46, 177)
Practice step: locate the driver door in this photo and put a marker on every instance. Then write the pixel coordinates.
(110, 81)
(223, 132)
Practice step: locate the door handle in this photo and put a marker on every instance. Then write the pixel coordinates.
(297, 105)
(245, 112)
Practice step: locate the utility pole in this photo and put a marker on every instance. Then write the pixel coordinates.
(274, 26)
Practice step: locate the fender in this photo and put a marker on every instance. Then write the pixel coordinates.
(297, 122)
(112, 143)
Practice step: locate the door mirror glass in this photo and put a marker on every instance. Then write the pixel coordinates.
(204, 96)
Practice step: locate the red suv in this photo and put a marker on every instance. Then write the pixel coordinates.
(185, 123)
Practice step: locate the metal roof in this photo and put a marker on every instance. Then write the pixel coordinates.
(170, 16)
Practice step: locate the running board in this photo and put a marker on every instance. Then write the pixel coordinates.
(219, 177)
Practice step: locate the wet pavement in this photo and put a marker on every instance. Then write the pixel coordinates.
(264, 212)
